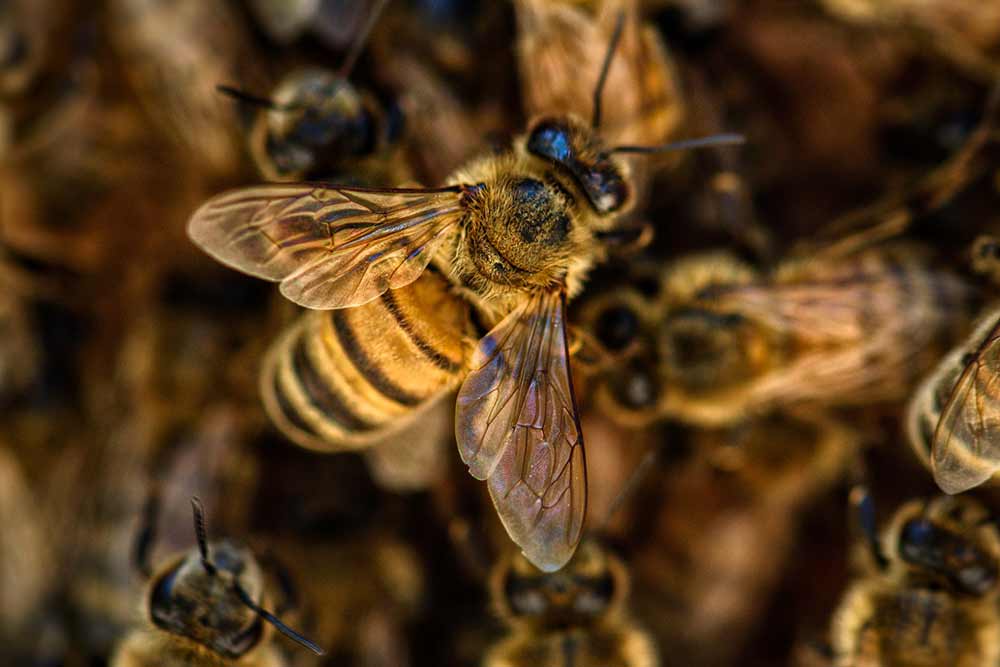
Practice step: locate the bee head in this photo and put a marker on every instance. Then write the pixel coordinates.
(201, 604)
(212, 595)
(314, 119)
(573, 148)
(951, 540)
(592, 585)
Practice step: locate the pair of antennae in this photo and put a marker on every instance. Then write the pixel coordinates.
(728, 139)
(341, 74)
(202, 536)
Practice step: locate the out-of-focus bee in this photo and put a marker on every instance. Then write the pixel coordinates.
(714, 552)
(316, 122)
(929, 593)
(965, 34)
(951, 420)
(844, 331)
(516, 233)
(175, 54)
(206, 607)
(577, 616)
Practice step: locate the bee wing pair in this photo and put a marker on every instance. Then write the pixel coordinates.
(516, 422)
(966, 446)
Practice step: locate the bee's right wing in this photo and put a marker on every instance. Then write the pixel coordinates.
(517, 426)
(330, 247)
(966, 448)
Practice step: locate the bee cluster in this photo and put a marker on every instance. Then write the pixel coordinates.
(606, 332)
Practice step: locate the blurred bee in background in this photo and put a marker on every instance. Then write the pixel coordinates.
(852, 330)
(206, 607)
(952, 420)
(725, 526)
(316, 122)
(928, 592)
(516, 234)
(577, 616)
(174, 54)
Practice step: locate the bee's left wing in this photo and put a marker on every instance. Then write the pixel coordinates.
(517, 426)
(966, 448)
(330, 247)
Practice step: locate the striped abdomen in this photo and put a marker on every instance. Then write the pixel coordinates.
(343, 379)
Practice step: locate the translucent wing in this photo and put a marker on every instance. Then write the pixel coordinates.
(966, 448)
(517, 426)
(329, 247)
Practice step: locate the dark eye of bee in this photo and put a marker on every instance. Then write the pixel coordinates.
(942, 551)
(617, 327)
(600, 180)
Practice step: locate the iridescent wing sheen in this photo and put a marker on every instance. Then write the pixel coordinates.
(329, 247)
(517, 426)
(966, 448)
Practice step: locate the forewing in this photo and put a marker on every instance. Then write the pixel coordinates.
(517, 426)
(966, 448)
(329, 247)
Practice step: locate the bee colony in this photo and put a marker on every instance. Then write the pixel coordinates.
(513, 333)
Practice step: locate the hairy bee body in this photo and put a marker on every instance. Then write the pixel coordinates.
(851, 331)
(933, 598)
(574, 618)
(342, 379)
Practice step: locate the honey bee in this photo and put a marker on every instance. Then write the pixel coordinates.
(206, 607)
(827, 331)
(515, 233)
(929, 595)
(577, 616)
(316, 121)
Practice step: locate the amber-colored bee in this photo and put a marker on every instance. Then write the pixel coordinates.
(577, 616)
(205, 608)
(843, 331)
(929, 593)
(515, 233)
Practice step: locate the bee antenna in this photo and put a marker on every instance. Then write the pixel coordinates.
(200, 534)
(273, 620)
(728, 139)
(253, 100)
(616, 36)
(864, 506)
(351, 59)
